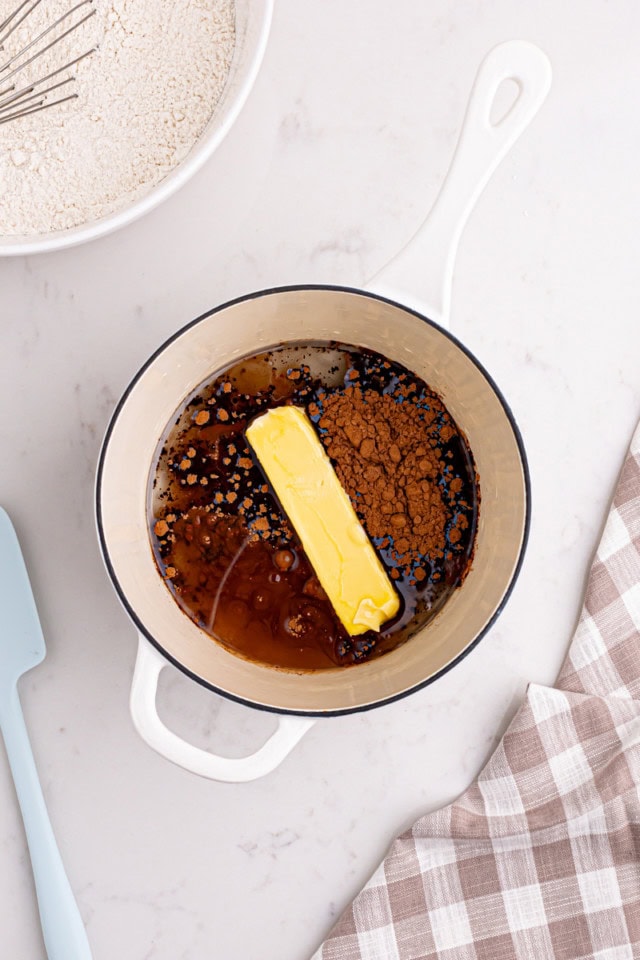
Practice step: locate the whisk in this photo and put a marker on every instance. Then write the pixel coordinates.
(16, 101)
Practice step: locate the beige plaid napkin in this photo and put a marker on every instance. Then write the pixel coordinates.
(540, 858)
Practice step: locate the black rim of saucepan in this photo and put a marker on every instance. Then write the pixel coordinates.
(268, 707)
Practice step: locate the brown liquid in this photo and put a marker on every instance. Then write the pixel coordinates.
(226, 549)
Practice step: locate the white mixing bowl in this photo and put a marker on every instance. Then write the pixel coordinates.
(253, 20)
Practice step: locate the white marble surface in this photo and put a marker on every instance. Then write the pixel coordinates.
(330, 168)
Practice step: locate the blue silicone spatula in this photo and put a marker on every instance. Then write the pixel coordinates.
(21, 648)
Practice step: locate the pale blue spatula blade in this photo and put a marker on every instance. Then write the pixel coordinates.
(21, 640)
(22, 647)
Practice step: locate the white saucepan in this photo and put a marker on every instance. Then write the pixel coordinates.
(385, 319)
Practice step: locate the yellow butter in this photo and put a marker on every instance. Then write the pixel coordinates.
(317, 505)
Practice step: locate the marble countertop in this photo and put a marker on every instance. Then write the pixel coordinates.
(329, 170)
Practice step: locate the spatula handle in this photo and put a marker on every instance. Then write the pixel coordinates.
(62, 927)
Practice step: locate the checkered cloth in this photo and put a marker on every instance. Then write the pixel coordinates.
(540, 858)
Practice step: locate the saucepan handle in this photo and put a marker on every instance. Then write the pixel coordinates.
(149, 665)
(425, 265)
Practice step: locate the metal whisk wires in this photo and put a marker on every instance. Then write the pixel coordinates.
(16, 101)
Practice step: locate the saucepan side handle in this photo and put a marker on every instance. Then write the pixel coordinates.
(149, 665)
(425, 265)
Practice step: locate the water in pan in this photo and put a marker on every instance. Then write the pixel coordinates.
(228, 553)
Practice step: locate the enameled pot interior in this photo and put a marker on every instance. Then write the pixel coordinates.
(255, 323)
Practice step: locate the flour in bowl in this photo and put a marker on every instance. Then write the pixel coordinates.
(144, 97)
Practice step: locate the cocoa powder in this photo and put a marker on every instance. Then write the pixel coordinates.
(387, 451)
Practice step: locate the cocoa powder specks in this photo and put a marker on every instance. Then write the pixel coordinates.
(387, 451)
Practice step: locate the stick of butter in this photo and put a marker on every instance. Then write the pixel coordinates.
(317, 505)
